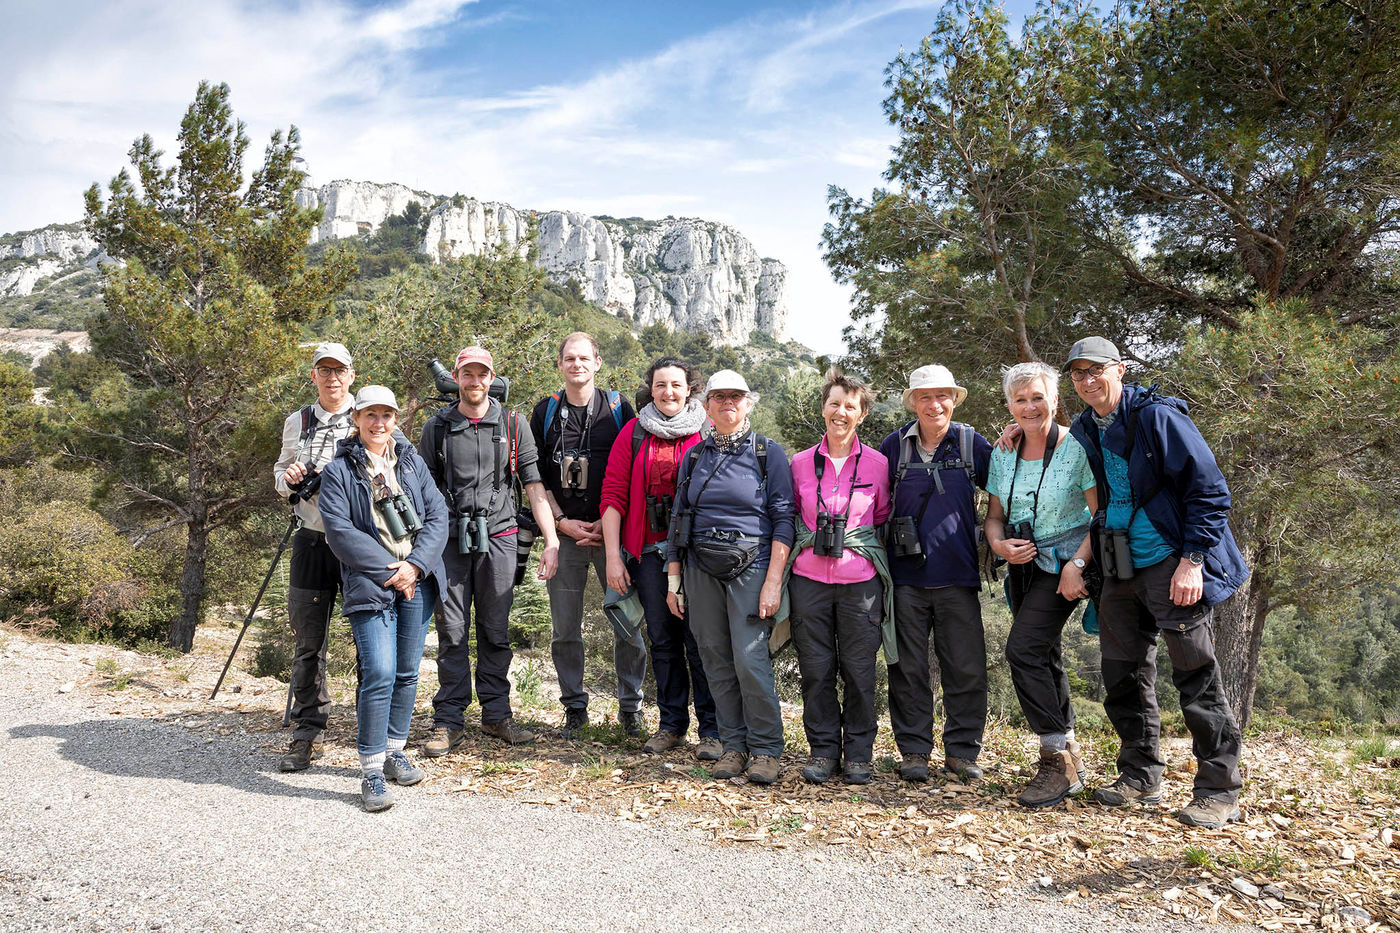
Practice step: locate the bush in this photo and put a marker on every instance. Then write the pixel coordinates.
(69, 570)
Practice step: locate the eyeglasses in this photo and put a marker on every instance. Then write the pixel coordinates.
(727, 396)
(1095, 371)
(327, 372)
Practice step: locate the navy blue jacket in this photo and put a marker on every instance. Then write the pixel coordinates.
(948, 531)
(734, 496)
(351, 533)
(1191, 511)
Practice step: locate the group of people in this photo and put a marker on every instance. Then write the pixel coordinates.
(715, 549)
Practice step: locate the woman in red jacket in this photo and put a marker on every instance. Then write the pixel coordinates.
(637, 490)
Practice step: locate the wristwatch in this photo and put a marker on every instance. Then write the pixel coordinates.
(1078, 562)
(559, 518)
(1195, 557)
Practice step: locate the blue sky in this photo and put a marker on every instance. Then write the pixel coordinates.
(737, 112)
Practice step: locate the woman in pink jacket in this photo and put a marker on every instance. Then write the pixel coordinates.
(838, 585)
(637, 491)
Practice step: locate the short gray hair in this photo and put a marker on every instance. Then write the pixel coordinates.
(1025, 373)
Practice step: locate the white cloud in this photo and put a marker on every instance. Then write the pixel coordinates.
(746, 124)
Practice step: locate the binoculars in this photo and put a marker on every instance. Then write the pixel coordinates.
(903, 537)
(659, 512)
(473, 536)
(1022, 530)
(306, 487)
(681, 530)
(1115, 555)
(831, 535)
(399, 515)
(573, 473)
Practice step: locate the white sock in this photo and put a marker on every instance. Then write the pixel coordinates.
(397, 745)
(370, 763)
(1056, 741)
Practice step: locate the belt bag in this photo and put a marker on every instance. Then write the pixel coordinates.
(725, 560)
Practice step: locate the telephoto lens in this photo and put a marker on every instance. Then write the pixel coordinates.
(524, 541)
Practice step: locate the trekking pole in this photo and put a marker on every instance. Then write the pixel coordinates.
(291, 527)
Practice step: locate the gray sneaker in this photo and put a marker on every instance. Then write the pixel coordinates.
(1209, 812)
(1122, 794)
(375, 793)
(507, 731)
(400, 770)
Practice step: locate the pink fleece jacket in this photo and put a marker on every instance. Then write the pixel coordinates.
(625, 484)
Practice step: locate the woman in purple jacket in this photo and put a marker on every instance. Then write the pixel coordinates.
(842, 491)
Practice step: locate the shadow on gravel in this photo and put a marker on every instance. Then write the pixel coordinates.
(148, 750)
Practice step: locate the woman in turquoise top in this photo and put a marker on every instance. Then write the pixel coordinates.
(1042, 496)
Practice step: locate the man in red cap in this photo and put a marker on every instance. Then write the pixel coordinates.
(477, 450)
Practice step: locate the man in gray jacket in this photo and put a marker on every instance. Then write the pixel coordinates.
(477, 450)
(309, 438)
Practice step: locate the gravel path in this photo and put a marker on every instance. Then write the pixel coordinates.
(119, 822)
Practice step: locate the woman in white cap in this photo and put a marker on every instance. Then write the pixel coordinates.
(731, 530)
(1042, 494)
(387, 524)
(935, 466)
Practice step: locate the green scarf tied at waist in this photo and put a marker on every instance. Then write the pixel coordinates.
(863, 540)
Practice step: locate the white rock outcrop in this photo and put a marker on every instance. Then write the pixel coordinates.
(686, 273)
(43, 254)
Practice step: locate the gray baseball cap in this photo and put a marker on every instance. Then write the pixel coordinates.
(375, 395)
(332, 351)
(1093, 350)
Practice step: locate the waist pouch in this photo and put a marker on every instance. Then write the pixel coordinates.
(723, 559)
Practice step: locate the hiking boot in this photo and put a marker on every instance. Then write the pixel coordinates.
(818, 770)
(730, 765)
(662, 741)
(1121, 794)
(299, 755)
(857, 772)
(1055, 779)
(575, 721)
(962, 768)
(632, 723)
(443, 740)
(375, 793)
(914, 768)
(507, 731)
(763, 769)
(1209, 812)
(400, 770)
(709, 749)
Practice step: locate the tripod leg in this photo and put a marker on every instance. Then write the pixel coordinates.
(247, 621)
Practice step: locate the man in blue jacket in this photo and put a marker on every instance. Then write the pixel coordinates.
(1166, 515)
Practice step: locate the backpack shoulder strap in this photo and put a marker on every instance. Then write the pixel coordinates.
(965, 435)
(760, 447)
(615, 408)
(551, 409)
(638, 436)
(308, 422)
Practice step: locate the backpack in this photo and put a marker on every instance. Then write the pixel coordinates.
(510, 439)
(692, 456)
(965, 461)
(551, 408)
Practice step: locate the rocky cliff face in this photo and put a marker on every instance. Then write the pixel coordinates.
(685, 273)
(29, 258)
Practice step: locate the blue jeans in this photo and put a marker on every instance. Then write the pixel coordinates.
(675, 657)
(390, 643)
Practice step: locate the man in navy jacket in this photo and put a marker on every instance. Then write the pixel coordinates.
(1165, 504)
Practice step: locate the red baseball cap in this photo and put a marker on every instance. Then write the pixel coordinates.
(474, 355)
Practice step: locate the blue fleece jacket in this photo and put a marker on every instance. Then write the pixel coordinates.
(1191, 511)
(351, 533)
(727, 493)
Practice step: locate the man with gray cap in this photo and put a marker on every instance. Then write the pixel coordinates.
(309, 438)
(936, 466)
(1167, 556)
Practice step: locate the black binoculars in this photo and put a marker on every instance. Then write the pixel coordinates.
(658, 512)
(681, 529)
(1021, 530)
(831, 535)
(573, 473)
(1115, 555)
(473, 536)
(399, 515)
(306, 487)
(903, 537)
